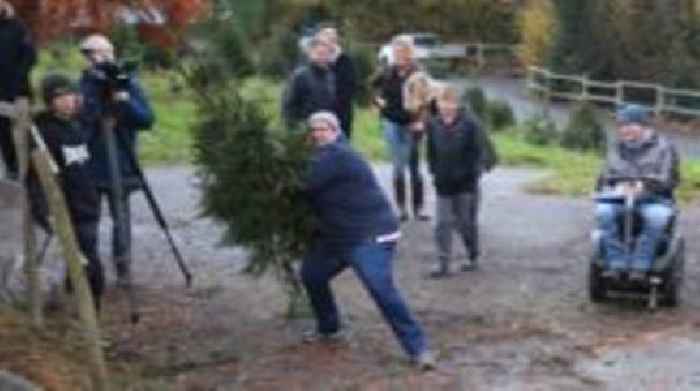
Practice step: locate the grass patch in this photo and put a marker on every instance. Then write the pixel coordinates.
(574, 173)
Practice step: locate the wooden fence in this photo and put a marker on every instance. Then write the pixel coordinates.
(665, 100)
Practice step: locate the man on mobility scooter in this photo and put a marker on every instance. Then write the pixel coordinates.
(636, 245)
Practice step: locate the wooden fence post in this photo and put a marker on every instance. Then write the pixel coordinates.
(480, 58)
(660, 101)
(584, 87)
(20, 132)
(75, 259)
(620, 93)
(547, 96)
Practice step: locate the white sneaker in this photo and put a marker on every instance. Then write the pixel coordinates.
(425, 361)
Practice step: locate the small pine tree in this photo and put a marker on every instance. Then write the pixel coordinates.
(540, 130)
(252, 176)
(584, 132)
(500, 115)
(475, 99)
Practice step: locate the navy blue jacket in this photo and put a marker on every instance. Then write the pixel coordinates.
(132, 115)
(346, 197)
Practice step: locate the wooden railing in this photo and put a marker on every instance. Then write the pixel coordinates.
(665, 100)
(480, 50)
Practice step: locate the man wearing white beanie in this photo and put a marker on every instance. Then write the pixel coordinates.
(112, 93)
(357, 229)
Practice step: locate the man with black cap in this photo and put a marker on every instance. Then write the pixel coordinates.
(60, 131)
(17, 57)
(638, 152)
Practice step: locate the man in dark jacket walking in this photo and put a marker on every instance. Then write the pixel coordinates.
(312, 86)
(345, 79)
(17, 57)
(358, 229)
(454, 157)
(60, 131)
(127, 105)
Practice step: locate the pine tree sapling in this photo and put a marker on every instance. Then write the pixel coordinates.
(584, 131)
(475, 99)
(500, 114)
(252, 177)
(540, 130)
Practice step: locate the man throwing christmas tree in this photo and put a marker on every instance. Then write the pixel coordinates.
(357, 229)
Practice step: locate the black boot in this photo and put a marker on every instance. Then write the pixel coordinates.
(123, 269)
(418, 198)
(400, 197)
(471, 244)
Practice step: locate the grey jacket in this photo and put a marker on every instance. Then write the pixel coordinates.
(655, 158)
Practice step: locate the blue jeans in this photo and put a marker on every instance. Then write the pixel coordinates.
(402, 146)
(372, 262)
(655, 218)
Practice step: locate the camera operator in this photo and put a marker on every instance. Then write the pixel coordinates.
(112, 94)
(17, 57)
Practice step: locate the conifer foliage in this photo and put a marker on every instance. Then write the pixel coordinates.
(251, 175)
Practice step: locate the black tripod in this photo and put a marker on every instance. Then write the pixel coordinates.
(117, 193)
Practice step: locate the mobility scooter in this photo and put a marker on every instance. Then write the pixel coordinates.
(662, 282)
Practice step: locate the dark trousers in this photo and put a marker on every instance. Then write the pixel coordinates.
(456, 212)
(345, 116)
(7, 146)
(86, 233)
(121, 229)
(372, 263)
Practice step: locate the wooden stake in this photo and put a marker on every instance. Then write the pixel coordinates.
(76, 261)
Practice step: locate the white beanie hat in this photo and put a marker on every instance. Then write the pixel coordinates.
(98, 43)
(7, 11)
(326, 116)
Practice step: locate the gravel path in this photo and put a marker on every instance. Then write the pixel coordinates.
(523, 322)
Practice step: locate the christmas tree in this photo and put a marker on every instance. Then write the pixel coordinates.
(252, 175)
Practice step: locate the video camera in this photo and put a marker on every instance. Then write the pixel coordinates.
(115, 74)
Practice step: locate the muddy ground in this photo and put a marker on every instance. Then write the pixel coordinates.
(522, 322)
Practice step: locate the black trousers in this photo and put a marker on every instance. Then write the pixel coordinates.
(7, 146)
(121, 229)
(86, 233)
(345, 116)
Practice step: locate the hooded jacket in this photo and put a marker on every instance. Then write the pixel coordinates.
(654, 158)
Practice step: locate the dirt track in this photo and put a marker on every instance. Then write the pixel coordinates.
(523, 322)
